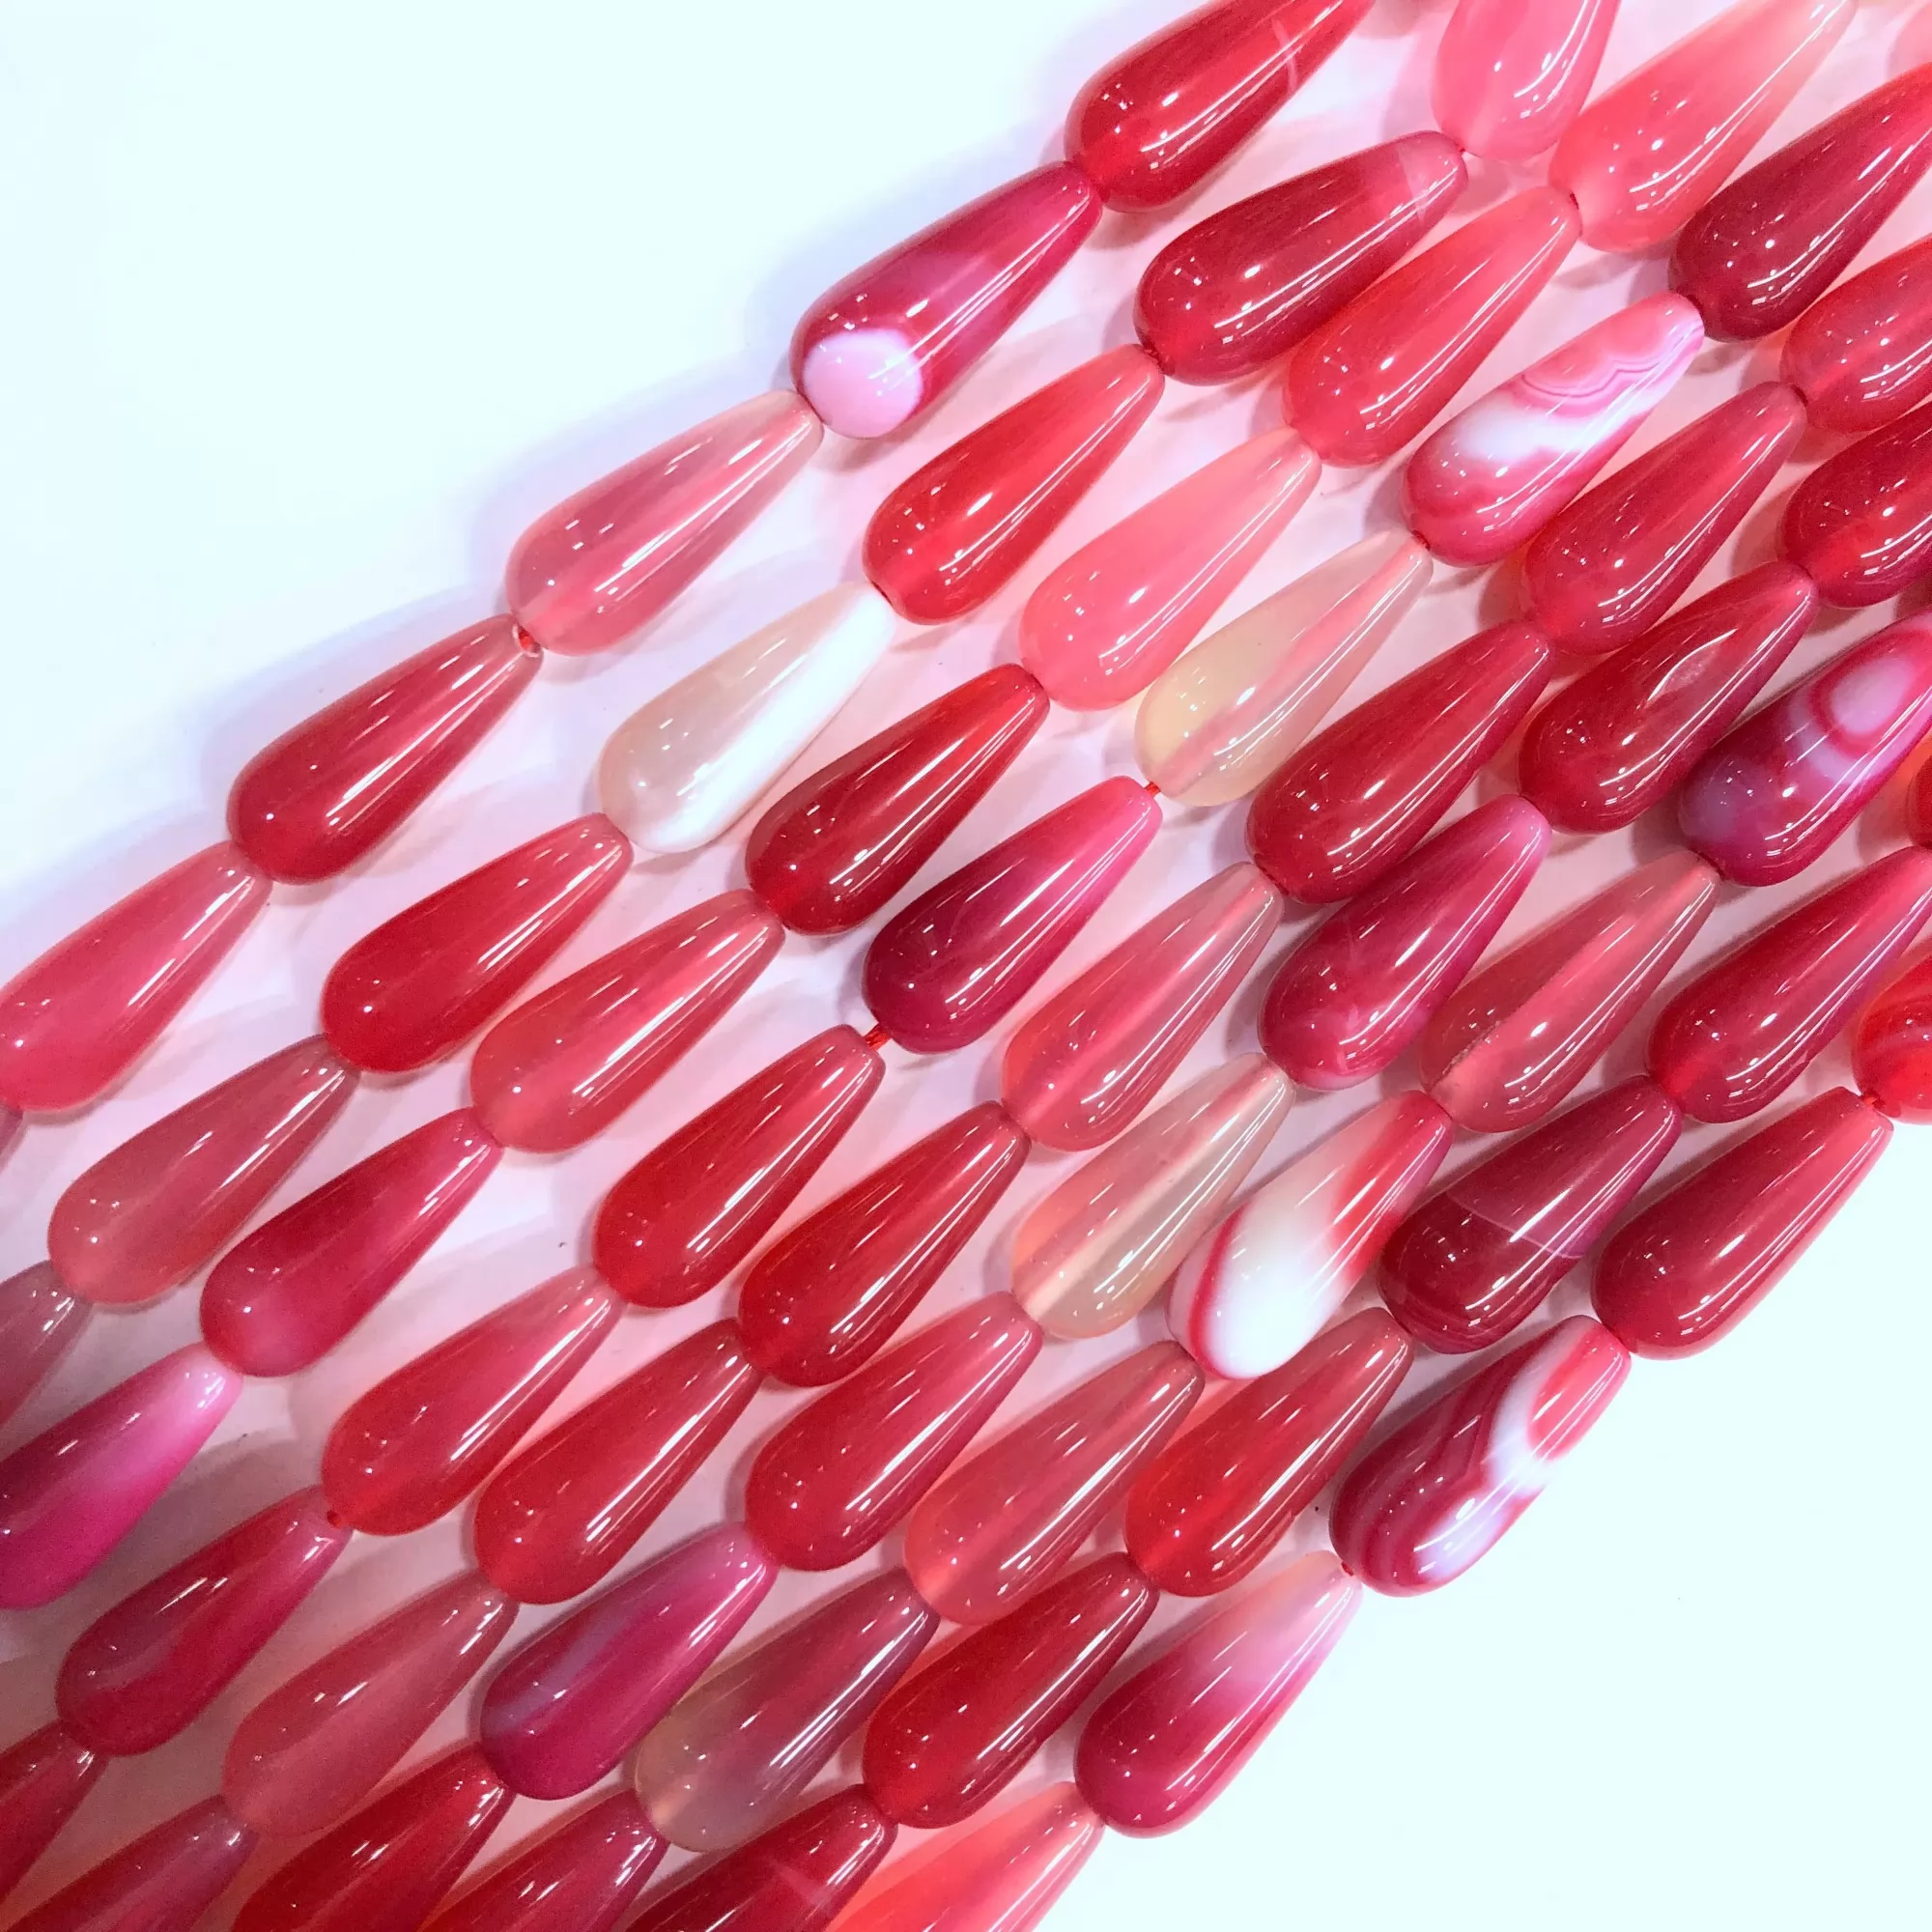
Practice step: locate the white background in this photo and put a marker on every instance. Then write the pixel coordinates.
(308, 312)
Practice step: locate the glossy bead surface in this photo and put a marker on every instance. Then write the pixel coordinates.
(842, 842)
(844, 1470)
(1352, 995)
(338, 783)
(955, 962)
(1162, 1745)
(422, 983)
(1519, 1033)
(734, 1753)
(680, 1220)
(1512, 75)
(164, 1880)
(1618, 740)
(40, 1321)
(1374, 376)
(561, 1710)
(285, 1295)
(1861, 524)
(568, 1061)
(604, 562)
(1763, 249)
(1489, 478)
(580, 1877)
(410, 1449)
(149, 1666)
(1219, 1497)
(151, 1213)
(72, 1492)
(1861, 356)
(1085, 1065)
(1601, 571)
(43, 1780)
(1775, 791)
(1000, 1525)
(1103, 626)
(1649, 151)
(1429, 1500)
(1170, 110)
(891, 339)
(1257, 1288)
(956, 1732)
(1480, 1257)
(77, 1019)
(1892, 1047)
(564, 1510)
(1100, 1246)
(1683, 1271)
(830, 1291)
(1245, 285)
(307, 1753)
(1360, 796)
(956, 531)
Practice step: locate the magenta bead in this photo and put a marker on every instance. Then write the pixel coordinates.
(1861, 524)
(1512, 75)
(43, 1780)
(40, 1321)
(580, 1877)
(162, 1882)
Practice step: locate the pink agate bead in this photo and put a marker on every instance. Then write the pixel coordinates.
(1861, 524)
(164, 1880)
(890, 339)
(1892, 1047)
(601, 565)
(1163, 1745)
(1863, 354)
(88, 1007)
(43, 1780)
(40, 1321)
(1489, 478)
(1512, 75)
(1649, 151)
(69, 1495)
(1104, 625)
(580, 1877)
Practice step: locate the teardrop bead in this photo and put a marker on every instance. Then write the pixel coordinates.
(1359, 797)
(1219, 720)
(843, 1471)
(1861, 524)
(830, 1291)
(741, 1747)
(569, 1061)
(1000, 1525)
(888, 341)
(1762, 250)
(1257, 1287)
(145, 1669)
(1101, 1245)
(1890, 1047)
(1861, 356)
(417, 987)
(565, 1510)
(288, 1292)
(1619, 739)
(954, 1734)
(386, 1868)
(1490, 477)
(335, 786)
(43, 1780)
(1374, 376)
(580, 1877)
(841, 843)
(1233, 291)
(164, 1880)
(1477, 1259)
(77, 1019)
(307, 1754)
(1162, 1745)
(1103, 626)
(1605, 569)
(1773, 793)
(682, 770)
(145, 1217)
(1520, 1033)
(1160, 118)
(1223, 1494)
(1085, 1066)
(1684, 1270)
(957, 528)
(40, 1321)
(952, 964)
(1511, 75)
(603, 563)
(410, 1448)
(1644, 155)
(560, 1711)
(1352, 995)
(680, 1220)
(72, 1492)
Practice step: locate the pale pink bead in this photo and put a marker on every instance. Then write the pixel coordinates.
(1512, 75)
